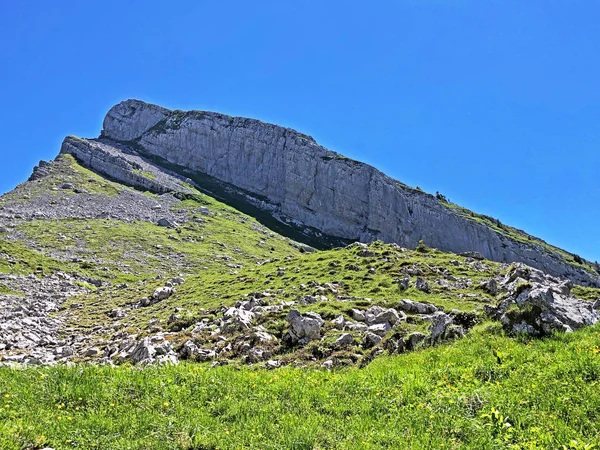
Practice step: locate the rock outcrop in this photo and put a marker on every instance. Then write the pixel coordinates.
(539, 304)
(323, 196)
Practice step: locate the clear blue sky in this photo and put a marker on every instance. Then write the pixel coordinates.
(495, 104)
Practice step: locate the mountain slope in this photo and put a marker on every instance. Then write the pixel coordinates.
(303, 190)
(91, 269)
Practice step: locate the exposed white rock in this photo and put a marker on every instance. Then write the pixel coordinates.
(343, 198)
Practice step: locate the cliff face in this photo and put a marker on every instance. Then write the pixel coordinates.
(288, 176)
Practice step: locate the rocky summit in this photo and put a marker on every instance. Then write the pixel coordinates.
(199, 236)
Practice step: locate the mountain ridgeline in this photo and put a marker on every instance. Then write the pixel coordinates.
(299, 188)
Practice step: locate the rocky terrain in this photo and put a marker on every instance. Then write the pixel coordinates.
(119, 252)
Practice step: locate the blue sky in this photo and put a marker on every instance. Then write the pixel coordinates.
(495, 104)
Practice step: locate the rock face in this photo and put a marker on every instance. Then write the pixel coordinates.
(319, 193)
(540, 304)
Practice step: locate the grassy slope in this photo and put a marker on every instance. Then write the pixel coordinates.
(537, 395)
(546, 389)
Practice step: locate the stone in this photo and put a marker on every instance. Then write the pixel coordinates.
(67, 186)
(416, 307)
(143, 352)
(404, 283)
(162, 293)
(339, 322)
(168, 223)
(344, 340)
(540, 304)
(357, 314)
(237, 319)
(328, 364)
(371, 340)
(117, 313)
(490, 286)
(380, 329)
(414, 339)
(91, 352)
(189, 349)
(441, 328)
(390, 316)
(422, 285)
(473, 254)
(305, 328)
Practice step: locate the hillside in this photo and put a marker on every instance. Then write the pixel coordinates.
(112, 255)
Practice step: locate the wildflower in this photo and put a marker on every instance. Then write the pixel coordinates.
(166, 404)
(6, 395)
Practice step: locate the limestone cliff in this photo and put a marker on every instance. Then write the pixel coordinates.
(287, 176)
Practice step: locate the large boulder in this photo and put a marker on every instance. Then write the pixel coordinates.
(539, 304)
(303, 328)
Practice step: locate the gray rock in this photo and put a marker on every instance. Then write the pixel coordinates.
(270, 165)
(442, 328)
(416, 307)
(404, 283)
(328, 364)
(91, 352)
(380, 329)
(189, 349)
(422, 285)
(117, 313)
(371, 340)
(359, 315)
(490, 286)
(339, 322)
(539, 304)
(414, 339)
(168, 223)
(143, 352)
(390, 316)
(344, 340)
(303, 328)
(272, 364)
(237, 319)
(162, 293)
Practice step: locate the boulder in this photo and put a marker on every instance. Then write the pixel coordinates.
(162, 293)
(422, 285)
(380, 329)
(339, 322)
(168, 223)
(304, 328)
(416, 307)
(371, 340)
(539, 304)
(344, 340)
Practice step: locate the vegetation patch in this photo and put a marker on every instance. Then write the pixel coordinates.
(484, 391)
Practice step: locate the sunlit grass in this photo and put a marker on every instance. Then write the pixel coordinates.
(483, 392)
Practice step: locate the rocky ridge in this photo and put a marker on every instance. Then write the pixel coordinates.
(322, 196)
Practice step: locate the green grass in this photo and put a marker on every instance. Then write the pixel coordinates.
(483, 392)
(145, 174)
